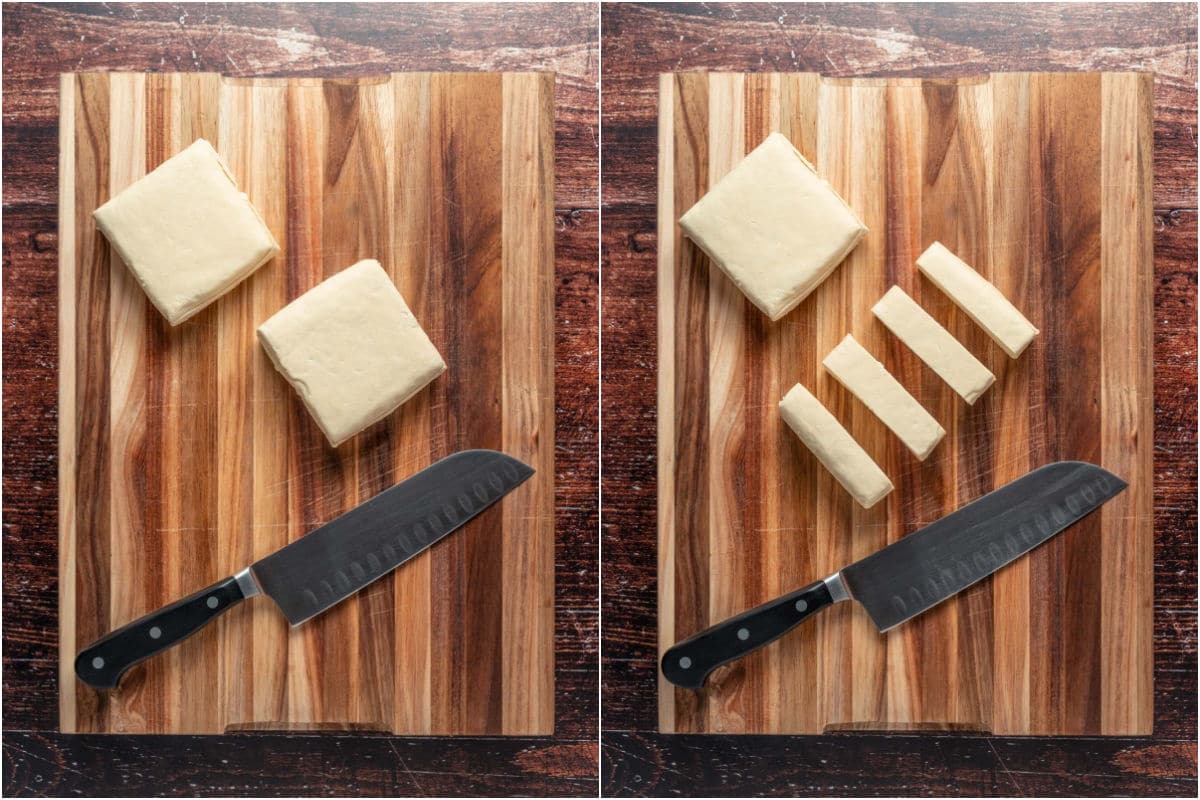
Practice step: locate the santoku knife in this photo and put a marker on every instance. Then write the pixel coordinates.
(916, 573)
(323, 568)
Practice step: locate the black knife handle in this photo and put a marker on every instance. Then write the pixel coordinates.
(689, 662)
(104, 662)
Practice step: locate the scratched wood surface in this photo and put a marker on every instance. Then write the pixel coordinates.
(184, 455)
(1042, 182)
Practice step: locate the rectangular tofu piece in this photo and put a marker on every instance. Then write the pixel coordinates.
(834, 446)
(933, 344)
(869, 381)
(186, 232)
(351, 349)
(976, 295)
(774, 226)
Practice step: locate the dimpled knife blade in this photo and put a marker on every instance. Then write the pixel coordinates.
(921, 570)
(333, 562)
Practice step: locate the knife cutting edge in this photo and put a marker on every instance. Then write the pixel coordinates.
(319, 570)
(911, 576)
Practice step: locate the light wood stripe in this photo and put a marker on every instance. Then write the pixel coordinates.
(1126, 413)
(1011, 266)
(67, 461)
(528, 310)
(667, 233)
(129, 539)
(797, 362)
(974, 425)
(374, 175)
(726, 314)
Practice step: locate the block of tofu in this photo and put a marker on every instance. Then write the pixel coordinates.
(834, 446)
(870, 381)
(774, 227)
(185, 232)
(933, 344)
(352, 349)
(976, 295)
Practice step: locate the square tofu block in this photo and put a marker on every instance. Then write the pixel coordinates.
(834, 446)
(870, 381)
(185, 232)
(933, 344)
(975, 295)
(352, 350)
(774, 227)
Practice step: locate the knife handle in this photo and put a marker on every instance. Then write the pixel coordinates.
(104, 662)
(689, 662)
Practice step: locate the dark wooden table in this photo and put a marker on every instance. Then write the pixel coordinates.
(42, 41)
(639, 41)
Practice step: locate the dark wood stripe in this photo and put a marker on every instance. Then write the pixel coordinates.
(92, 383)
(342, 209)
(446, 560)
(904, 179)
(160, 415)
(310, 457)
(1045, 563)
(476, 107)
(757, 487)
(691, 385)
(1073, 212)
(466, 235)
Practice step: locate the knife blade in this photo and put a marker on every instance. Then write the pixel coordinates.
(319, 570)
(911, 576)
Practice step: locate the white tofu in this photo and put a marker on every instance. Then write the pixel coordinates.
(774, 227)
(869, 381)
(933, 344)
(352, 349)
(834, 446)
(185, 232)
(976, 296)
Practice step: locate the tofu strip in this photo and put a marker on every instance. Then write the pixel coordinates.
(975, 295)
(871, 383)
(933, 344)
(834, 446)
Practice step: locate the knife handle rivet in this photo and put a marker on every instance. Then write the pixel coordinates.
(97, 663)
(212, 602)
(802, 605)
(156, 632)
(743, 633)
(685, 663)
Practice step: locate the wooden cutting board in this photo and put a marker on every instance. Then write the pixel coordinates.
(184, 455)
(1042, 183)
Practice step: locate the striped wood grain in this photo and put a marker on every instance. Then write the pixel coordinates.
(1042, 183)
(184, 455)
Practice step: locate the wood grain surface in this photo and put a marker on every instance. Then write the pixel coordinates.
(1041, 181)
(309, 42)
(943, 41)
(188, 455)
